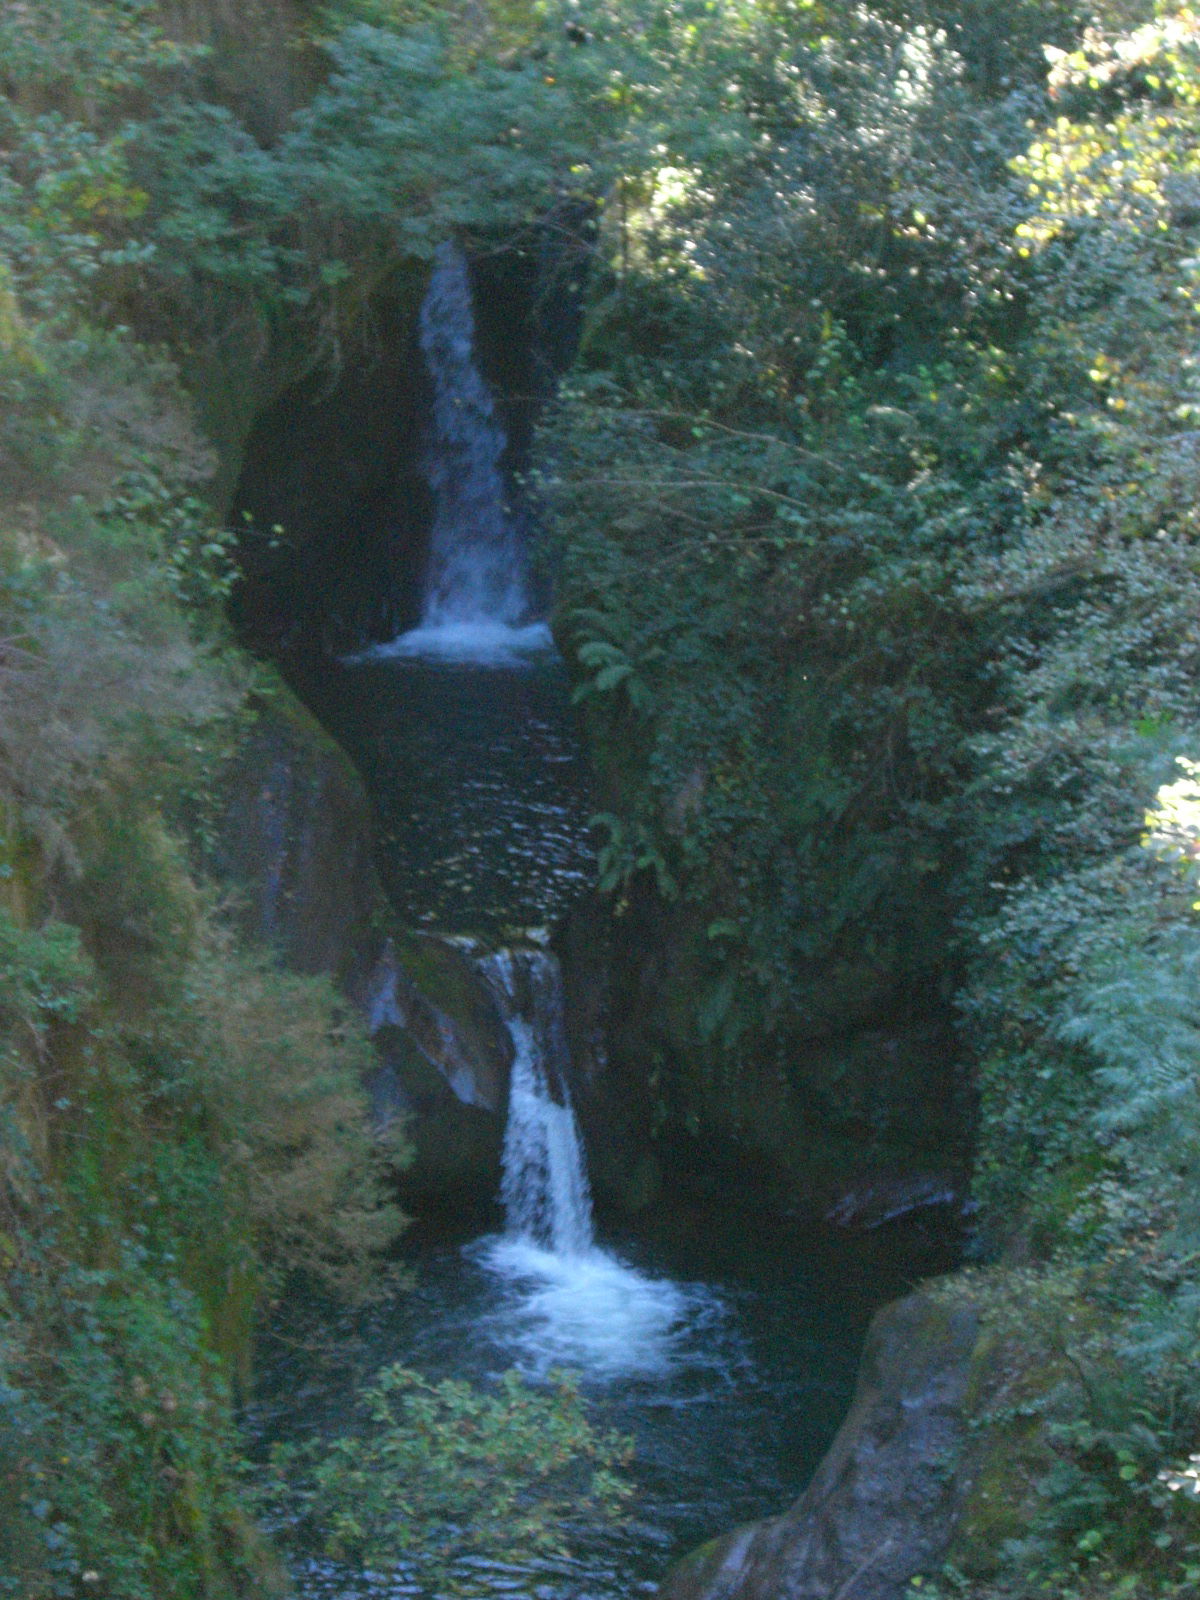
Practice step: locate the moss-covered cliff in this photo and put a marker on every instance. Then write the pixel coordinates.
(871, 511)
(182, 1123)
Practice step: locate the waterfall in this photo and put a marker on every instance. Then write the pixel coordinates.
(545, 1189)
(572, 1303)
(476, 603)
(476, 566)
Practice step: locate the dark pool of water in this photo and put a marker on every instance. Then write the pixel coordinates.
(725, 1345)
(479, 784)
(731, 1410)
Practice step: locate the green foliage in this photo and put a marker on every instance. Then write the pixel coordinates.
(91, 53)
(276, 1064)
(44, 973)
(124, 187)
(123, 1477)
(821, 542)
(182, 1127)
(67, 204)
(445, 1471)
(1082, 1409)
(871, 511)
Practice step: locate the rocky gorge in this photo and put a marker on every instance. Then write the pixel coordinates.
(618, 703)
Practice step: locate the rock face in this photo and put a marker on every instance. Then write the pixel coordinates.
(335, 460)
(861, 1088)
(615, 1110)
(464, 1040)
(885, 1503)
(445, 1058)
(296, 842)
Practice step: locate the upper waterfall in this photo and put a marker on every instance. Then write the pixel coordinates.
(476, 604)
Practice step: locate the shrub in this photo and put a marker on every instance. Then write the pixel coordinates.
(119, 1468)
(277, 1062)
(444, 1471)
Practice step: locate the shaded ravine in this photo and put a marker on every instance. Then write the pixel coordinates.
(724, 1344)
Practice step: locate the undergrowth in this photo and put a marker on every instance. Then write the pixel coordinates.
(871, 508)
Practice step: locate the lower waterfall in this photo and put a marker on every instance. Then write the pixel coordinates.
(545, 1191)
(573, 1304)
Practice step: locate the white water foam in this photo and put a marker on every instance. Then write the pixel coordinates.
(570, 1304)
(588, 1312)
(476, 607)
(481, 643)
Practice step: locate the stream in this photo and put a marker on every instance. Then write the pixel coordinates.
(723, 1342)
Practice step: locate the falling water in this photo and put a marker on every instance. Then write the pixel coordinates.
(476, 604)
(733, 1387)
(545, 1192)
(574, 1304)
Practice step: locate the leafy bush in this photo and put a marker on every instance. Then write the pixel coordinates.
(44, 973)
(277, 1063)
(444, 1471)
(123, 1480)
(873, 516)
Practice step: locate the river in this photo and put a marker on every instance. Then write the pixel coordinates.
(723, 1341)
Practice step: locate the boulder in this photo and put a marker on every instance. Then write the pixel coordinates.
(445, 1057)
(885, 1503)
(429, 988)
(294, 839)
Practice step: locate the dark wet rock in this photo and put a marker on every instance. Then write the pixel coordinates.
(445, 1058)
(334, 459)
(456, 1146)
(886, 1500)
(861, 1079)
(894, 1197)
(295, 843)
(294, 839)
(463, 1039)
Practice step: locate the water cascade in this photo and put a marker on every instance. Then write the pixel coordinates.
(462, 726)
(476, 603)
(572, 1303)
(727, 1350)
(545, 1192)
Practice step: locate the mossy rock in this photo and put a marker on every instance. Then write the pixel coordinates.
(1016, 1372)
(1002, 1498)
(883, 1505)
(295, 838)
(444, 972)
(456, 1148)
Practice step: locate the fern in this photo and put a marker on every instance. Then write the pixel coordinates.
(1144, 1029)
(611, 669)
